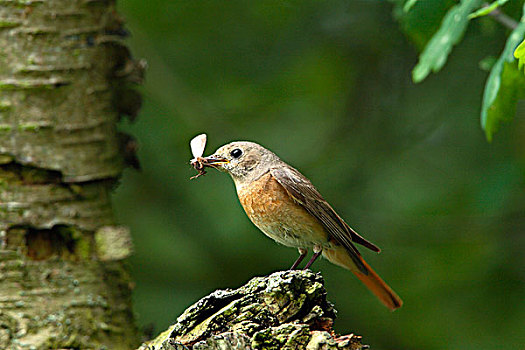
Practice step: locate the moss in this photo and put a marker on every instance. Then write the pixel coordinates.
(21, 84)
(29, 127)
(83, 249)
(8, 86)
(82, 244)
(9, 24)
(5, 128)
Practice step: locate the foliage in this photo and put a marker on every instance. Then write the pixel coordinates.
(436, 52)
(520, 55)
(503, 88)
(505, 85)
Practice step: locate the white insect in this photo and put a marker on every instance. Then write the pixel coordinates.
(197, 145)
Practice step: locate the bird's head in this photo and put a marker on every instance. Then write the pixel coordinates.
(244, 161)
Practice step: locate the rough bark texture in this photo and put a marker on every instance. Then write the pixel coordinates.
(286, 310)
(64, 76)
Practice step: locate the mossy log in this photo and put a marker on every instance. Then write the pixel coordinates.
(283, 311)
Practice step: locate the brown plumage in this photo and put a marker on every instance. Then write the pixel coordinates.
(286, 207)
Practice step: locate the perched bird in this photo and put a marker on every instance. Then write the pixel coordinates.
(286, 207)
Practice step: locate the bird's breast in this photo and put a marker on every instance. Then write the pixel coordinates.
(276, 214)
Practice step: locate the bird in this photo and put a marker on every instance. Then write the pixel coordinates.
(286, 207)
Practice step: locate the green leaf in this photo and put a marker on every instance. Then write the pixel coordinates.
(510, 89)
(408, 5)
(452, 28)
(485, 10)
(423, 19)
(505, 85)
(520, 55)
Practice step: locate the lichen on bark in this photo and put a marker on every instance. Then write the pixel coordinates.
(284, 311)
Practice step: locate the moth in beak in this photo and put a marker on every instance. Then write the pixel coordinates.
(199, 163)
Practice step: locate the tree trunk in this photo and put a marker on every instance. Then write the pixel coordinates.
(63, 78)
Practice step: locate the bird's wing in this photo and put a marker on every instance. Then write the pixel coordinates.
(305, 194)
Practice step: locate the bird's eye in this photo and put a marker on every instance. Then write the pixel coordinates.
(236, 153)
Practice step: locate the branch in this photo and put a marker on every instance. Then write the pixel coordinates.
(503, 18)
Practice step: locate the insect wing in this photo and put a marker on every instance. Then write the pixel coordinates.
(197, 145)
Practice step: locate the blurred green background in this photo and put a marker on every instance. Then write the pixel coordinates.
(326, 86)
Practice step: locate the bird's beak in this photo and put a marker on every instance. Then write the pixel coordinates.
(214, 161)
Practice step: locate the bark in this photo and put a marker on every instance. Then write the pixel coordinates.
(64, 82)
(284, 311)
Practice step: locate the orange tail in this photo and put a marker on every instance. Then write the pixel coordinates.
(339, 256)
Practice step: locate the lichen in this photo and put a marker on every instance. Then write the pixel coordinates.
(113, 243)
(286, 336)
(282, 311)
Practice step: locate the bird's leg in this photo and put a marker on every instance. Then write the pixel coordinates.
(317, 251)
(302, 254)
